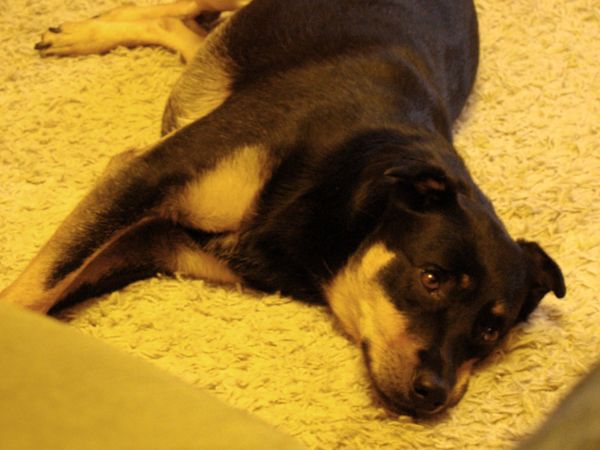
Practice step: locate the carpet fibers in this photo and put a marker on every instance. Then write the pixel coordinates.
(530, 135)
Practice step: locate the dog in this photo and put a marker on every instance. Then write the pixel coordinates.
(307, 149)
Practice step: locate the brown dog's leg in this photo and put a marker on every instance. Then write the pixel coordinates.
(98, 36)
(182, 9)
(170, 26)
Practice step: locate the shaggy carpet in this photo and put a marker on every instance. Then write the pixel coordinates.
(530, 135)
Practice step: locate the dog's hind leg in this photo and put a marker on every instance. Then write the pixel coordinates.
(140, 251)
(183, 9)
(169, 25)
(136, 220)
(98, 36)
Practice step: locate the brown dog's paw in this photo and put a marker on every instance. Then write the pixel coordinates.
(75, 38)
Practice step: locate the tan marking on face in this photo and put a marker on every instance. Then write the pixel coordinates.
(463, 374)
(377, 257)
(221, 199)
(355, 285)
(382, 323)
(499, 309)
(393, 350)
(367, 313)
(465, 281)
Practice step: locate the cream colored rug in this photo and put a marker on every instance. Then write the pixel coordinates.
(531, 135)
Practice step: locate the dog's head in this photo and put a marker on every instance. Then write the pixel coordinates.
(435, 288)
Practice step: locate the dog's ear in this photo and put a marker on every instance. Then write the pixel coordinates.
(544, 275)
(421, 185)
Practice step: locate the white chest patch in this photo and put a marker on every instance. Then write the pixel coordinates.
(355, 295)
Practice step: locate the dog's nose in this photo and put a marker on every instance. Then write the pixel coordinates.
(429, 391)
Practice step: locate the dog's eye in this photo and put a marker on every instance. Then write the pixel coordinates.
(431, 279)
(490, 334)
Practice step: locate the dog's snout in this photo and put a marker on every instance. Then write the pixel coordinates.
(429, 391)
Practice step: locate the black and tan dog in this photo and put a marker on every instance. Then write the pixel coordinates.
(307, 149)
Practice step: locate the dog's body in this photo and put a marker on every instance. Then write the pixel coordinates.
(308, 150)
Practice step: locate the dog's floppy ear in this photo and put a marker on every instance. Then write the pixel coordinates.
(544, 274)
(422, 185)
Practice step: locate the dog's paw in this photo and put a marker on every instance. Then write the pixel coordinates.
(76, 38)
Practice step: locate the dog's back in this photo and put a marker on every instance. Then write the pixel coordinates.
(271, 37)
(274, 46)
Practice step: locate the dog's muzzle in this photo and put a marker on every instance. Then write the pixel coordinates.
(425, 395)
